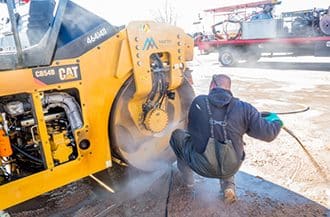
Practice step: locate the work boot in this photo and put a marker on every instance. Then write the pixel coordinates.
(186, 173)
(229, 196)
(228, 189)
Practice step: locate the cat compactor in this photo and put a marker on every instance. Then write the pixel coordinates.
(76, 93)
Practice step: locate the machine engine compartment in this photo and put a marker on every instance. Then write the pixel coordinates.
(21, 148)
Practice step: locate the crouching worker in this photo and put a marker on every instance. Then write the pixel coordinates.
(213, 146)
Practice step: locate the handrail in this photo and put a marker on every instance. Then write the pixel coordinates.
(11, 11)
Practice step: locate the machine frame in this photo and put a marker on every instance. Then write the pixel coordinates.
(97, 75)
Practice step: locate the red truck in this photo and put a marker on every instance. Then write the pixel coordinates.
(244, 34)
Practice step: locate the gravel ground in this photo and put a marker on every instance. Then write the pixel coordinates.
(276, 179)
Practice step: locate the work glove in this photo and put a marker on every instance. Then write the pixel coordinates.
(271, 117)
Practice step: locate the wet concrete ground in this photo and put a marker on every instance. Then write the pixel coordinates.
(276, 179)
(155, 194)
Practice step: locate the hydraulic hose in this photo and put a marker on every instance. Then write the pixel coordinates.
(293, 112)
(314, 162)
(264, 114)
(26, 154)
(311, 158)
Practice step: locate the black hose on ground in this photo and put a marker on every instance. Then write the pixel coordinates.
(169, 192)
(314, 162)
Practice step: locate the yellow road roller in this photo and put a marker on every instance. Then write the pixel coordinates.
(77, 93)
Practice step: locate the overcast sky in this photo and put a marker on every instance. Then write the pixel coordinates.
(121, 12)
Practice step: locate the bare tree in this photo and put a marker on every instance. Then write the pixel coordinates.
(165, 14)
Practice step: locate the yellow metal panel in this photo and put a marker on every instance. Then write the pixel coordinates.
(146, 38)
(97, 90)
(125, 61)
(42, 130)
(189, 45)
(23, 189)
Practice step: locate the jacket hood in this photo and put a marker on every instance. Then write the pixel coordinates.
(220, 97)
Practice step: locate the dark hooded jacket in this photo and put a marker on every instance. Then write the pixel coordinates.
(242, 118)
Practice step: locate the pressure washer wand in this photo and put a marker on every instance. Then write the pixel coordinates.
(315, 164)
